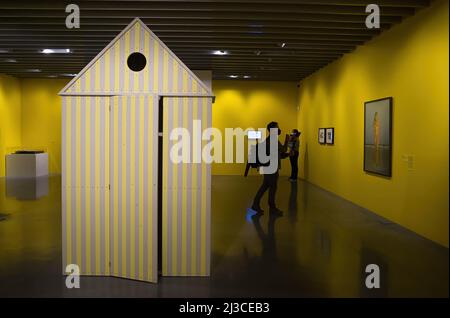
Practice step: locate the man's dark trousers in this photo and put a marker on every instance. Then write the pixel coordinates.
(270, 182)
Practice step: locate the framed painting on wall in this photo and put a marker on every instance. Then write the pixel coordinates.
(321, 135)
(329, 136)
(378, 136)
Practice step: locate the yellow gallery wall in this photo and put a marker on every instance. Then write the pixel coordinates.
(409, 63)
(10, 114)
(254, 104)
(41, 118)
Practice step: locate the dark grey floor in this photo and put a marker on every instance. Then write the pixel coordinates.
(319, 248)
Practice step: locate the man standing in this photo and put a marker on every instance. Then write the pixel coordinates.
(294, 148)
(270, 177)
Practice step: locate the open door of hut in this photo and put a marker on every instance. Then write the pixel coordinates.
(134, 187)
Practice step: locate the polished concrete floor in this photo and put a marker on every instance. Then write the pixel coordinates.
(319, 248)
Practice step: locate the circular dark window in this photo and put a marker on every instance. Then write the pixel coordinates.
(136, 61)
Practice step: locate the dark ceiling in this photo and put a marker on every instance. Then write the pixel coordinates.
(315, 33)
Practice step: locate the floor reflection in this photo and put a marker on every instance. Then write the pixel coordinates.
(319, 248)
(269, 248)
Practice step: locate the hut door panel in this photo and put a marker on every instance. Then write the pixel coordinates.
(85, 184)
(186, 191)
(133, 200)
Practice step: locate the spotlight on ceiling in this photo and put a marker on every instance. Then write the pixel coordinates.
(58, 51)
(10, 61)
(233, 76)
(247, 76)
(220, 52)
(33, 70)
(4, 51)
(282, 44)
(69, 74)
(258, 52)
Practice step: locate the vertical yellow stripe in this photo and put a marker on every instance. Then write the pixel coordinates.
(87, 81)
(152, 206)
(175, 76)
(68, 185)
(123, 208)
(97, 76)
(184, 113)
(194, 197)
(116, 66)
(164, 185)
(116, 184)
(165, 70)
(87, 185)
(185, 81)
(78, 86)
(132, 187)
(77, 183)
(137, 36)
(184, 190)
(97, 186)
(203, 189)
(174, 210)
(195, 205)
(126, 72)
(141, 187)
(194, 88)
(107, 70)
(146, 69)
(106, 104)
(155, 66)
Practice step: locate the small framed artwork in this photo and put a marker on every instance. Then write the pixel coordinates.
(321, 135)
(378, 136)
(329, 136)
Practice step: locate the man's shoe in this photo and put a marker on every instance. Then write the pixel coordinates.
(257, 209)
(276, 211)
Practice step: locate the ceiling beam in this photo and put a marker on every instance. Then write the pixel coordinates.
(217, 7)
(212, 15)
(175, 3)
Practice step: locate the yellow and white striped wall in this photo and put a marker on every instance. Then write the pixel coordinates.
(110, 164)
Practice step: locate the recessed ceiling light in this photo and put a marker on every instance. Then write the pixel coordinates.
(33, 70)
(4, 51)
(220, 52)
(69, 74)
(10, 61)
(233, 76)
(247, 76)
(59, 51)
(258, 52)
(51, 76)
(283, 44)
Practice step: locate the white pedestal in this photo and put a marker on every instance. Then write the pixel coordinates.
(26, 165)
(27, 188)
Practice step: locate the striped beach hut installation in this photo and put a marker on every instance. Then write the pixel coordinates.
(127, 209)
